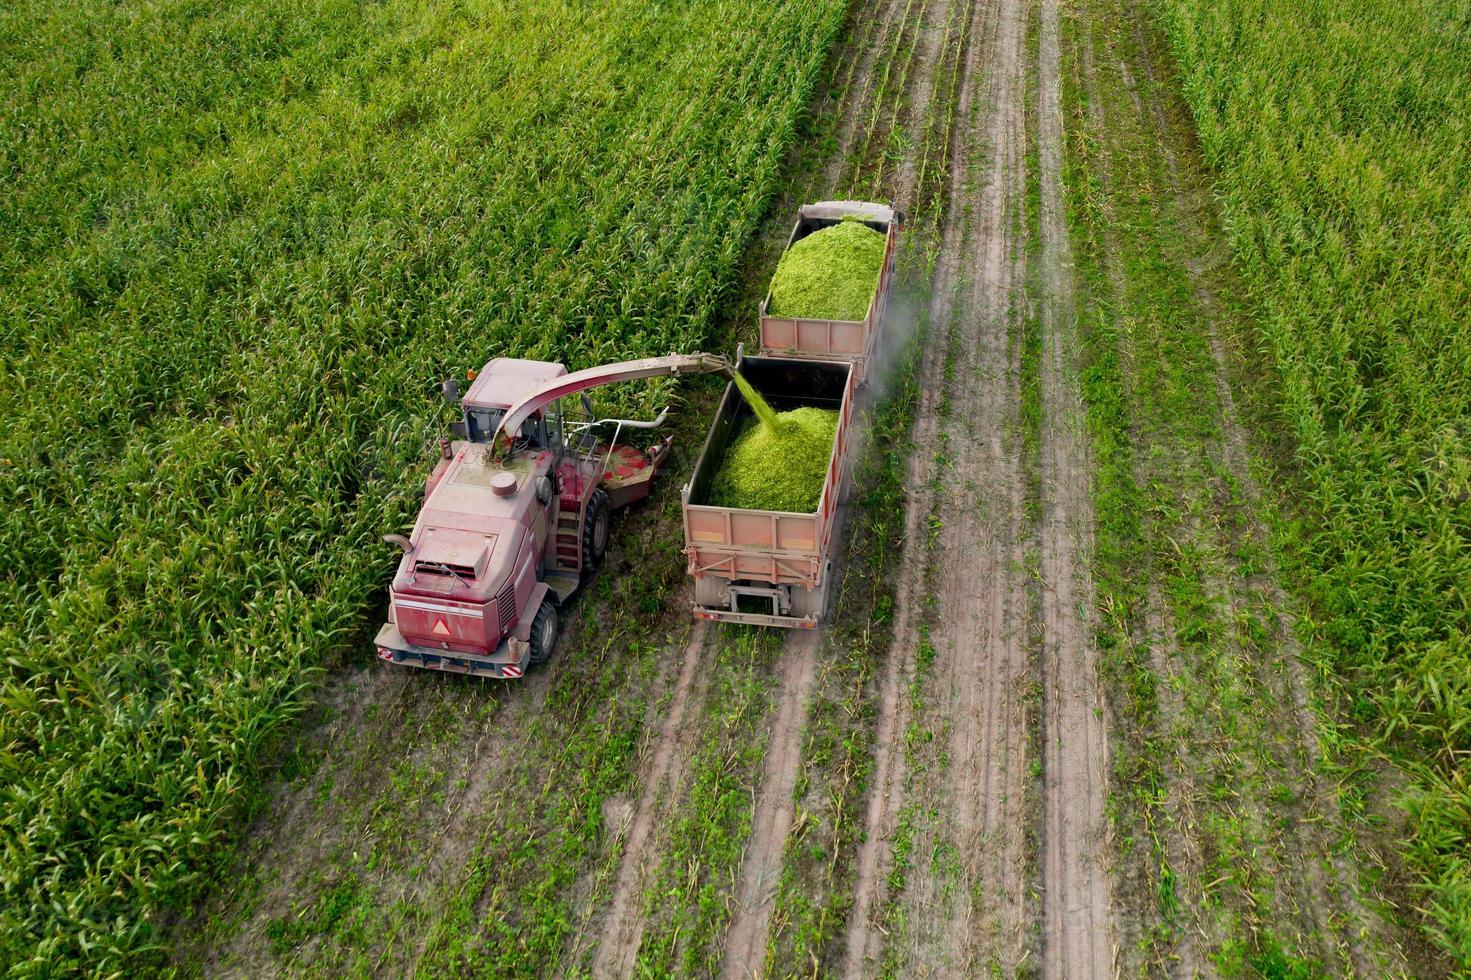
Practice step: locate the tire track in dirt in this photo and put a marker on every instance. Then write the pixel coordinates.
(623, 928)
(885, 793)
(980, 910)
(862, 937)
(745, 949)
(1075, 751)
(746, 938)
(981, 631)
(893, 100)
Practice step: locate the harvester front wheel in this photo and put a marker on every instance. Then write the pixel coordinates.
(543, 633)
(595, 530)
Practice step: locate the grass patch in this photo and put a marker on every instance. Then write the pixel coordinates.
(693, 893)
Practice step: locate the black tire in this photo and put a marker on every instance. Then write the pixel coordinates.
(595, 530)
(543, 633)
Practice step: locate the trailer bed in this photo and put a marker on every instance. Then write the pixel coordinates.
(835, 340)
(743, 559)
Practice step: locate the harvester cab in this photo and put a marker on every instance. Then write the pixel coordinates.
(516, 514)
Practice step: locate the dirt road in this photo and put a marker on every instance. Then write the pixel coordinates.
(1075, 757)
(622, 929)
(966, 594)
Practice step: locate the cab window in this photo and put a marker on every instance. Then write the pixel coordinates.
(554, 429)
(483, 422)
(533, 432)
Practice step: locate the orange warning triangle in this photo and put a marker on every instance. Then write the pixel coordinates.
(440, 629)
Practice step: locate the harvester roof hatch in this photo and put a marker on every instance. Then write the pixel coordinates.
(505, 380)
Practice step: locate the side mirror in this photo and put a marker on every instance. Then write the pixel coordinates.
(451, 389)
(587, 405)
(459, 430)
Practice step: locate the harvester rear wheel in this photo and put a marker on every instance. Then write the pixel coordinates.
(595, 530)
(543, 633)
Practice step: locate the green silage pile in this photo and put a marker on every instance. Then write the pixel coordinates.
(778, 470)
(831, 274)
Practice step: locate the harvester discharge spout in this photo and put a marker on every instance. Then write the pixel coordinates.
(569, 384)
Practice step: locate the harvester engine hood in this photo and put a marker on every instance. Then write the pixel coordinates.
(454, 553)
(472, 560)
(451, 590)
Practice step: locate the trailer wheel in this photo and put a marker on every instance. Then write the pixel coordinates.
(711, 593)
(543, 633)
(595, 529)
(812, 603)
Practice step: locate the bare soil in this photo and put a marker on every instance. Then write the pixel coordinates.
(1075, 764)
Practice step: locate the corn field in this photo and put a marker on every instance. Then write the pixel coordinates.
(1341, 139)
(241, 245)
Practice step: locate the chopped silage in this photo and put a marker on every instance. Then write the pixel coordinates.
(781, 469)
(832, 274)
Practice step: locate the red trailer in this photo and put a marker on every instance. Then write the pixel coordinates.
(762, 567)
(835, 340)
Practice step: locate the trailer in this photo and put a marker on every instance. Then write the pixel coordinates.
(769, 568)
(835, 340)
